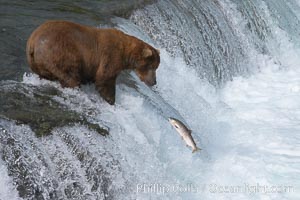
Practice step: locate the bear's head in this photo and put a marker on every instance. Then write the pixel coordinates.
(147, 61)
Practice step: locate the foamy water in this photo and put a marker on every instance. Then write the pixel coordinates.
(248, 128)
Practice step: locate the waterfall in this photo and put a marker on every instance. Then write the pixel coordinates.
(229, 71)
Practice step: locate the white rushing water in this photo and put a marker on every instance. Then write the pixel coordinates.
(248, 128)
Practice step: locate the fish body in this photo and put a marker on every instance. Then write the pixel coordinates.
(184, 132)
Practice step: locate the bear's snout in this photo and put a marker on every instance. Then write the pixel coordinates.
(151, 83)
(148, 77)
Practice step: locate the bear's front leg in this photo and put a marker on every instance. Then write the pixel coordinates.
(107, 89)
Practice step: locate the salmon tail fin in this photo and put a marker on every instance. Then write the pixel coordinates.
(197, 149)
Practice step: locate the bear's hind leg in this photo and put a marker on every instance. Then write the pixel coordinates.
(70, 81)
(107, 89)
(68, 78)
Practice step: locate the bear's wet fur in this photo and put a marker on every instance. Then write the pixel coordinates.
(75, 54)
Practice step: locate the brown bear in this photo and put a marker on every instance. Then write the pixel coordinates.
(73, 54)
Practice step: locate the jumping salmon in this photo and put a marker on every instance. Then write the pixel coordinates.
(184, 132)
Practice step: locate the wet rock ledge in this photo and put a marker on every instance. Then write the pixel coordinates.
(34, 106)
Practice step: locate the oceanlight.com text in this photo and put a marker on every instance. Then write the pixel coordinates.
(213, 188)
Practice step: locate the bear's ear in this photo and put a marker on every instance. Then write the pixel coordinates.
(158, 51)
(147, 52)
